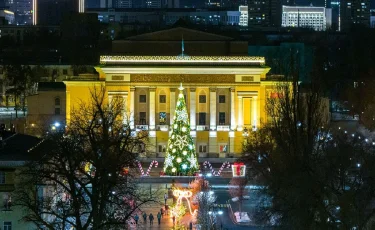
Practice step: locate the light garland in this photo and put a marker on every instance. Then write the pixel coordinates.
(183, 194)
(153, 163)
(140, 168)
(206, 163)
(224, 165)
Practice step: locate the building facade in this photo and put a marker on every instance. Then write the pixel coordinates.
(317, 18)
(225, 89)
(168, 16)
(225, 97)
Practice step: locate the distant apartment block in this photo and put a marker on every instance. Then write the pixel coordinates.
(354, 12)
(244, 15)
(317, 18)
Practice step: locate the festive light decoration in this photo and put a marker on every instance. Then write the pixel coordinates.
(213, 172)
(153, 163)
(140, 168)
(180, 157)
(224, 165)
(181, 194)
(239, 169)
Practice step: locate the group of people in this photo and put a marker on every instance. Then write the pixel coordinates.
(150, 218)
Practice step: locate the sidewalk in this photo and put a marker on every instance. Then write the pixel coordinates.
(166, 222)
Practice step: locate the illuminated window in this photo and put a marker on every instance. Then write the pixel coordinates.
(223, 148)
(162, 118)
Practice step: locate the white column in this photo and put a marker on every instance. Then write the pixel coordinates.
(132, 111)
(110, 100)
(172, 104)
(192, 109)
(212, 108)
(240, 114)
(232, 109)
(152, 109)
(254, 112)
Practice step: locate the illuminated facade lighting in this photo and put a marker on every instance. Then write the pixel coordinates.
(35, 10)
(212, 60)
(81, 6)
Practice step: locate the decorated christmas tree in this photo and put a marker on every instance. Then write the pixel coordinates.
(180, 158)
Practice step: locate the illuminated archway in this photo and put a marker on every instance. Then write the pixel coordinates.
(181, 194)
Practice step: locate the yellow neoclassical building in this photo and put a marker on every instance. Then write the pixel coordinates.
(225, 95)
(225, 90)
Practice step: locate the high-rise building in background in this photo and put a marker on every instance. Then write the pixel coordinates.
(317, 18)
(244, 16)
(335, 6)
(265, 13)
(124, 4)
(354, 12)
(22, 11)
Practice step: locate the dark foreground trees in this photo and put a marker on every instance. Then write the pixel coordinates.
(316, 177)
(84, 179)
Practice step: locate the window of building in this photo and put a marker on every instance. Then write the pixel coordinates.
(202, 118)
(202, 98)
(221, 118)
(142, 98)
(57, 101)
(221, 98)
(65, 71)
(57, 111)
(2, 177)
(202, 148)
(162, 118)
(7, 225)
(223, 148)
(142, 118)
(162, 98)
(162, 148)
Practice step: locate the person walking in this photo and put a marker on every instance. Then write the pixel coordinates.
(144, 217)
(159, 217)
(174, 219)
(151, 218)
(136, 218)
(161, 212)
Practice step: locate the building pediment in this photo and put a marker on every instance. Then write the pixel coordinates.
(176, 34)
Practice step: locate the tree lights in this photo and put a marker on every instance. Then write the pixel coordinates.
(180, 157)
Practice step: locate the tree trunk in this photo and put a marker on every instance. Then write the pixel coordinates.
(24, 103)
(15, 104)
